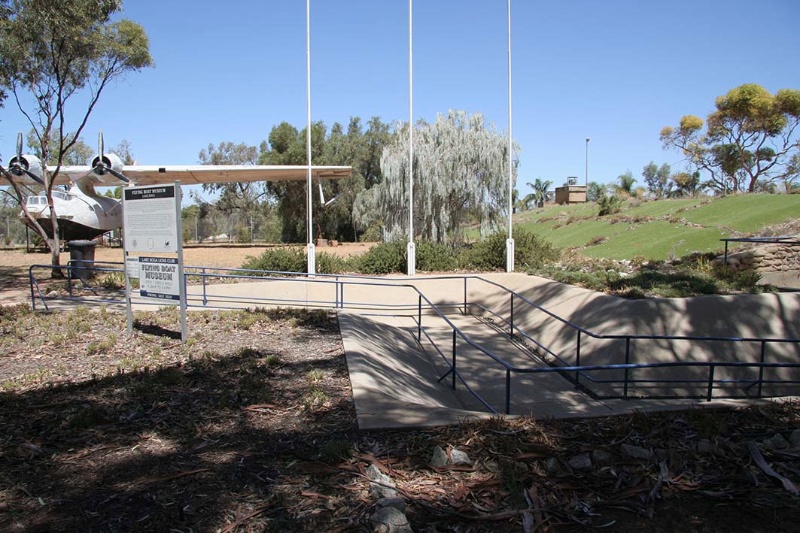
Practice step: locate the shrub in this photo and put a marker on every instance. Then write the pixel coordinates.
(436, 257)
(278, 260)
(530, 251)
(384, 258)
(609, 205)
(332, 264)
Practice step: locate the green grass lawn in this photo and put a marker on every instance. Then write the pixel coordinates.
(660, 229)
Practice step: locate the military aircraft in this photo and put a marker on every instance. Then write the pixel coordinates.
(84, 214)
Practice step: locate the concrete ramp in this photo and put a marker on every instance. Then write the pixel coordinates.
(394, 381)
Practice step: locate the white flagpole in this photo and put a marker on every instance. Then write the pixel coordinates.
(510, 240)
(411, 250)
(309, 199)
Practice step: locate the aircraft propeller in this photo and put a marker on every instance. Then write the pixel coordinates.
(104, 163)
(20, 165)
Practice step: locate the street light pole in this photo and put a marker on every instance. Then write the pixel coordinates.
(587, 165)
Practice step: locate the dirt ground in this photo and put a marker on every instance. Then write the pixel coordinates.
(250, 426)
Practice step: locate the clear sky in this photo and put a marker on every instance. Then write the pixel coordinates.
(616, 71)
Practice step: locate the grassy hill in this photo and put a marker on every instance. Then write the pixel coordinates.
(660, 229)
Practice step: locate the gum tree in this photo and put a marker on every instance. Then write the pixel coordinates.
(749, 139)
(54, 52)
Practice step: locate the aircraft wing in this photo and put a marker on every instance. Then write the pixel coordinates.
(197, 174)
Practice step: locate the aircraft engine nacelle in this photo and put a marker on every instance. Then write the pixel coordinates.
(23, 166)
(109, 161)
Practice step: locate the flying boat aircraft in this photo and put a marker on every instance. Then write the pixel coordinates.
(84, 214)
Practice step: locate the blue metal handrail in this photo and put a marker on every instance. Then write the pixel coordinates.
(340, 281)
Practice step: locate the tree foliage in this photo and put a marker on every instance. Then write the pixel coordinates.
(460, 174)
(750, 138)
(352, 146)
(625, 183)
(539, 194)
(657, 179)
(51, 51)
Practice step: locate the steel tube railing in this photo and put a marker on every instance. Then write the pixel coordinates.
(578, 368)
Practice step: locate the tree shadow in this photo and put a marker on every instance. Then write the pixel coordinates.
(196, 445)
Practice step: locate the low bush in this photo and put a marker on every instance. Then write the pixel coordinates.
(531, 251)
(384, 258)
(609, 205)
(333, 264)
(433, 257)
(278, 260)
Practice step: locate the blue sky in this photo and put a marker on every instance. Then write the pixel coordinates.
(616, 71)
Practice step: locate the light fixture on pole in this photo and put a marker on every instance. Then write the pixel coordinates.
(587, 164)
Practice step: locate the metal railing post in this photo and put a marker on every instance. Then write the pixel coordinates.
(627, 370)
(710, 382)
(205, 296)
(578, 360)
(454, 360)
(33, 294)
(419, 318)
(69, 278)
(465, 295)
(508, 391)
(761, 368)
(511, 322)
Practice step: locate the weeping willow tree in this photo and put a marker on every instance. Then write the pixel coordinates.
(460, 176)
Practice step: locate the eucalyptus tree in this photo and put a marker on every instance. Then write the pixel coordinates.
(751, 137)
(78, 154)
(657, 179)
(460, 174)
(54, 53)
(238, 201)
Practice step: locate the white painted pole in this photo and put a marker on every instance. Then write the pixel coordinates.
(309, 199)
(411, 250)
(510, 240)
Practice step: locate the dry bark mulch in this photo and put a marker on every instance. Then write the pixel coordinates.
(250, 426)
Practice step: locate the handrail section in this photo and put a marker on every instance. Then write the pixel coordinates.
(576, 370)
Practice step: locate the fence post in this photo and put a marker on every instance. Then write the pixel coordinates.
(710, 382)
(761, 368)
(454, 360)
(627, 370)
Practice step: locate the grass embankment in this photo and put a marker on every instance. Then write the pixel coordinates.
(659, 230)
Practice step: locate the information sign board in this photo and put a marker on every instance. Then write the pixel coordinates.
(150, 219)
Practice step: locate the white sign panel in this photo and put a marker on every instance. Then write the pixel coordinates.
(132, 267)
(150, 218)
(159, 278)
